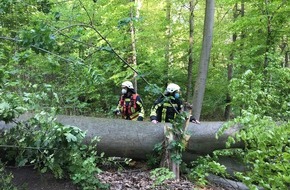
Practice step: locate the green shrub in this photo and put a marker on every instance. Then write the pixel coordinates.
(51, 146)
(160, 175)
(202, 167)
(6, 179)
(266, 153)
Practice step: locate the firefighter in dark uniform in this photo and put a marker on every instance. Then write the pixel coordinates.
(165, 108)
(130, 104)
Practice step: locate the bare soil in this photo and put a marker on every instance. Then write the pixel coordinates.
(135, 178)
(26, 178)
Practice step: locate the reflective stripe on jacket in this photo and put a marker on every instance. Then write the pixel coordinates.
(131, 107)
(164, 111)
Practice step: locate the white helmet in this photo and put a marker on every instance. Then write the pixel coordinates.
(128, 84)
(172, 88)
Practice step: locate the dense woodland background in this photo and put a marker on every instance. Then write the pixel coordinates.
(72, 54)
(70, 57)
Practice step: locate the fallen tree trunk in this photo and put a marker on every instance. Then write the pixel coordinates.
(135, 139)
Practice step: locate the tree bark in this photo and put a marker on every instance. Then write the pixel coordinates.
(199, 88)
(135, 139)
(190, 52)
(287, 55)
(133, 41)
(168, 33)
(230, 68)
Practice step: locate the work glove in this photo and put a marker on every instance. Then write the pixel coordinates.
(117, 112)
(193, 120)
(140, 118)
(154, 121)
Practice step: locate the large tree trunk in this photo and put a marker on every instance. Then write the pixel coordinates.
(133, 39)
(135, 139)
(168, 33)
(200, 83)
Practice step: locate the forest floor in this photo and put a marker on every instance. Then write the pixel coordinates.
(134, 178)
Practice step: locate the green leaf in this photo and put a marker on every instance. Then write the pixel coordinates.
(43, 170)
(70, 137)
(22, 162)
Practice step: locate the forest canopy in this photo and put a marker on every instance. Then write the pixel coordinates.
(71, 54)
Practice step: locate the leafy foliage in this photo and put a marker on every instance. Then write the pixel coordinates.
(266, 151)
(178, 144)
(78, 61)
(270, 99)
(51, 146)
(202, 167)
(154, 159)
(53, 58)
(10, 106)
(6, 179)
(159, 175)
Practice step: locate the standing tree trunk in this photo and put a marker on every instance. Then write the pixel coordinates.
(285, 51)
(287, 55)
(190, 52)
(269, 40)
(168, 40)
(230, 70)
(133, 39)
(199, 88)
(242, 36)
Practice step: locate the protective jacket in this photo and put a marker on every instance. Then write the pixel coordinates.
(131, 106)
(163, 110)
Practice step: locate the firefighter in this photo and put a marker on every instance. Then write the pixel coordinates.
(166, 107)
(130, 104)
